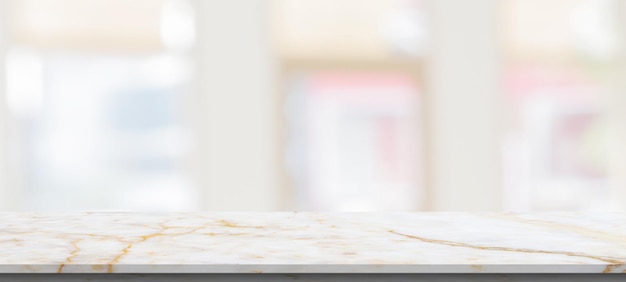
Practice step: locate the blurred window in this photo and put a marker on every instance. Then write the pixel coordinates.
(96, 91)
(353, 102)
(557, 76)
(354, 141)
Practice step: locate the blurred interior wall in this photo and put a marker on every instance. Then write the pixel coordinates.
(462, 104)
(236, 110)
(8, 193)
(103, 25)
(617, 120)
(236, 158)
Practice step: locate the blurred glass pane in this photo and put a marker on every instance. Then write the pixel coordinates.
(97, 107)
(557, 79)
(109, 135)
(354, 140)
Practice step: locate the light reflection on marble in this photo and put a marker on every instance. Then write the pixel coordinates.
(312, 243)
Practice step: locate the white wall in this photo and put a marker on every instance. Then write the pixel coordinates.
(8, 193)
(463, 102)
(236, 155)
(616, 103)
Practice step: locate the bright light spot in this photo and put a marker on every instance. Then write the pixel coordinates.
(177, 25)
(24, 82)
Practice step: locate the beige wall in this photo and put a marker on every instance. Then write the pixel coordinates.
(617, 121)
(463, 103)
(124, 25)
(9, 195)
(236, 162)
(333, 29)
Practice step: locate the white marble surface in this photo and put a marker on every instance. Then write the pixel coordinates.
(312, 243)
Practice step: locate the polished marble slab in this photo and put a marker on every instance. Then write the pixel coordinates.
(96, 242)
(71, 277)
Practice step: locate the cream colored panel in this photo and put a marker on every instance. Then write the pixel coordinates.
(87, 24)
(559, 28)
(346, 29)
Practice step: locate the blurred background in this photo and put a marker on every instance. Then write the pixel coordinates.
(312, 105)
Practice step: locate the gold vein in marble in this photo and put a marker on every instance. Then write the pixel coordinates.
(294, 242)
(126, 250)
(613, 261)
(73, 254)
(584, 231)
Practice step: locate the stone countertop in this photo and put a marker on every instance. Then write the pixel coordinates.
(285, 242)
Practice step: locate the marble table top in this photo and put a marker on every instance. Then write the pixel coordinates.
(312, 242)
